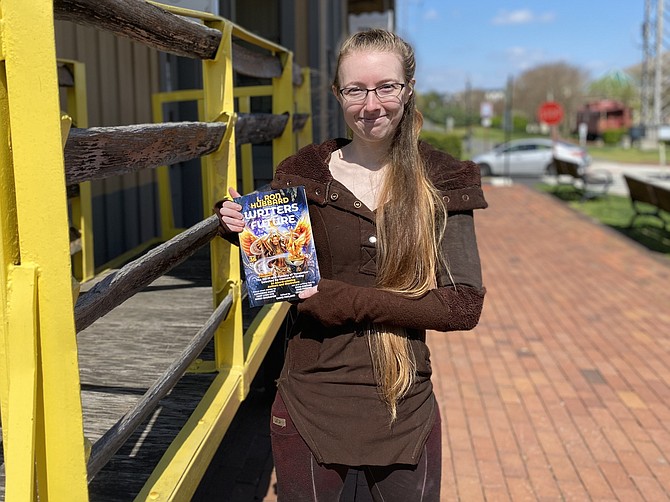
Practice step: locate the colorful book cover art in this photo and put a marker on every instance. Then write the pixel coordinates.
(277, 249)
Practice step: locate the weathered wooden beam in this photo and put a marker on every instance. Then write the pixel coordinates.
(155, 27)
(72, 191)
(105, 447)
(65, 77)
(143, 22)
(254, 64)
(299, 121)
(101, 152)
(117, 287)
(259, 127)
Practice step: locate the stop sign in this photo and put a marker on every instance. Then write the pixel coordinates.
(550, 112)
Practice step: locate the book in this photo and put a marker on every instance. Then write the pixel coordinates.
(276, 245)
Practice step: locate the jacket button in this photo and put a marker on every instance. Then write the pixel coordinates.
(447, 199)
(357, 204)
(288, 183)
(372, 239)
(334, 196)
(317, 191)
(465, 197)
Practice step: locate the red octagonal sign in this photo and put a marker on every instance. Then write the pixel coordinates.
(550, 113)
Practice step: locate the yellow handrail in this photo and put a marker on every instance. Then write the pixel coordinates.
(40, 399)
(36, 202)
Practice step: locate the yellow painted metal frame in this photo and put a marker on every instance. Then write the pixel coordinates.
(40, 389)
(238, 355)
(303, 103)
(282, 102)
(40, 398)
(81, 206)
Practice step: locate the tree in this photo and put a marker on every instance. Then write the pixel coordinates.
(436, 107)
(560, 82)
(617, 85)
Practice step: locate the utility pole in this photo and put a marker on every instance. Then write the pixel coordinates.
(647, 56)
(658, 66)
(468, 115)
(509, 119)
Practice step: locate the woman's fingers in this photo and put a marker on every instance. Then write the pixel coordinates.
(231, 213)
(306, 293)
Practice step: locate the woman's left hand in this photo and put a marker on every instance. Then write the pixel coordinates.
(306, 293)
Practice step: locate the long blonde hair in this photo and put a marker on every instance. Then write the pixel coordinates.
(410, 226)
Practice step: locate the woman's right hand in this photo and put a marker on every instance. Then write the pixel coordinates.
(230, 212)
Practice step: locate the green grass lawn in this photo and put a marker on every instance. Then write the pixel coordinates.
(629, 155)
(616, 212)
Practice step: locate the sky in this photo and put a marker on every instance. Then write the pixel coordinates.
(489, 41)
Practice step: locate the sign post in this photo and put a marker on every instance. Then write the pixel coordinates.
(551, 113)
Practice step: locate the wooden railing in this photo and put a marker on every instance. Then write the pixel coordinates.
(42, 420)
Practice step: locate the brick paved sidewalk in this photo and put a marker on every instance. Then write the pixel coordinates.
(562, 391)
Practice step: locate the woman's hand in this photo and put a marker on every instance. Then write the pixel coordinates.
(306, 293)
(231, 214)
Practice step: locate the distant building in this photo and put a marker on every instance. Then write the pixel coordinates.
(604, 114)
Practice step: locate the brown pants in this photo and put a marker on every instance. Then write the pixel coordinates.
(300, 478)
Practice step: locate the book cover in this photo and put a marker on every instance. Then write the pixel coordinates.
(276, 244)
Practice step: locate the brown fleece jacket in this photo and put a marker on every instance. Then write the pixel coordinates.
(327, 383)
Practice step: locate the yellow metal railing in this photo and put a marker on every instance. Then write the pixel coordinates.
(40, 400)
(81, 205)
(41, 410)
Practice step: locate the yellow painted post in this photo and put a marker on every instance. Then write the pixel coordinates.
(282, 102)
(221, 173)
(9, 244)
(42, 221)
(246, 152)
(82, 206)
(303, 104)
(22, 375)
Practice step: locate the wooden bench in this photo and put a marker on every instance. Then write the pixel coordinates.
(589, 184)
(648, 199)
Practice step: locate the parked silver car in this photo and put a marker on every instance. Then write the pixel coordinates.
(529, 157)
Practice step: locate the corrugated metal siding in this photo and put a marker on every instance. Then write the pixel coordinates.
(121, 76)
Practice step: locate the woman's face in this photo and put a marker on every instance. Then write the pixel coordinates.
(372, 120)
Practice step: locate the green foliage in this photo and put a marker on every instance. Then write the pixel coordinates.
(616, 85)
(450, 143)
(613, 136)
(519, 123)
(436, 108)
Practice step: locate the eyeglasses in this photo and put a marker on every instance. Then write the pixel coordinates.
(384, 92)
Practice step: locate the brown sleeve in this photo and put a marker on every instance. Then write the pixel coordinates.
(460, 253)
(455, 305)
(442, 309)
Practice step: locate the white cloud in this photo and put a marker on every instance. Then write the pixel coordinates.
(523, 58)
(522, 16)
(431, 15)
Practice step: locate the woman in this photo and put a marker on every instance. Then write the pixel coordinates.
(355, 388)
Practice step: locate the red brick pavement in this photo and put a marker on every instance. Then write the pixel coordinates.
(562, 391)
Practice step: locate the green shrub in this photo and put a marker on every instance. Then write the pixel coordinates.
(613, 136)
(450, 143)
(519, 123)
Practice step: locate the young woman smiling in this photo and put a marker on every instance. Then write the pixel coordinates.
(393, 227)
